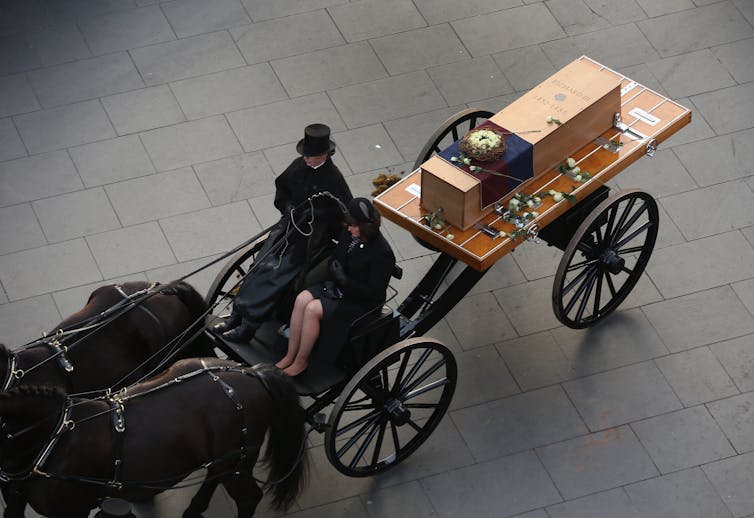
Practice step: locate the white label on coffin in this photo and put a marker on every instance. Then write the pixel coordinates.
(644, 116)
(414, 190)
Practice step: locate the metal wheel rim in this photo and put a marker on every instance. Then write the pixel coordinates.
(586, 272)
(371, 443)
(233, 270)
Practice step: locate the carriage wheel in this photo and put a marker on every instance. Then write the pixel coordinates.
(226, 282)
(449, 131)
(390, 407)
(605, 258)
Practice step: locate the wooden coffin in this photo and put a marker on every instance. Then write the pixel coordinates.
(583, 96)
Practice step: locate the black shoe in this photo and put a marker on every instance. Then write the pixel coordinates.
(242, 333)
(234, 320)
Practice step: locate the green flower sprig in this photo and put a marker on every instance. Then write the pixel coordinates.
(463, 159)
(559, 196)
(569, 168)
(435, 220)
(552, 120)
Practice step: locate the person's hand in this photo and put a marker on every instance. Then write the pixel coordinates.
(338, 273)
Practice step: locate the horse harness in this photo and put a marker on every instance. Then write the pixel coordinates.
(56, 341)
(116, 403)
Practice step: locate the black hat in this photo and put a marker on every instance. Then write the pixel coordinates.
(316, 141)
(362, 210)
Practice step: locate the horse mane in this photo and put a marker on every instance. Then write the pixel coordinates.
(189, 296)
(45, 391)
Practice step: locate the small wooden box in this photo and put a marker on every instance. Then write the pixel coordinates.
(457, 192)
(583, 96)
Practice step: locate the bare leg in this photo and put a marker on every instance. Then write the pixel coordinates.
(296, 324)
(309, 335)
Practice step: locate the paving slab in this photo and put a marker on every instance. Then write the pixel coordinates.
(38, 176)
(227, 91)
(576, 17)
(683, 439)
(465, 317)
(716, 160)
(346, 508)
(663, 175)
(655, 8)
(508, 29)
(236, 178)
(187, 57)
(126, 29)
(735, 415)
(411, 134)
(536, 360)
(85, 79)
(453, 80)
(65, 126)
(596, 462)
(280, 38)
(367, 148)
(737, 58)
(58, 43)
(491, 379)
(404, 500)
(48, 268)
(329, 68)
(438, 11)
(255, 131)
(537, 259)
(622, 395)
(697, 130)
(19, 229)
(386, 99)
(695, 29)
(525, 67)
(515, 424)
(75, 214)
(157, 196)
(16, 54)
(617, 11)
(373, 18)
(209, 231)
(614, 503)
(130, 250)
(191, 142)
(419, 48)
(746, 9)
(145, 109)
(683, 494)
(529, 306)
(745, 289)
(702, 264)
(680, 76)
(16, 95)
(519, 483)
(728, 109)
(737, 356)
(26, 320)
(700, 318)
(111, 161)
(266, 10)
(192, 17)
(733, 479)
(624, 338)
(10, 142)
(696, 376)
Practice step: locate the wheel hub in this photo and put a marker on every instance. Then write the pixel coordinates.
(397, 411)
(611, 261)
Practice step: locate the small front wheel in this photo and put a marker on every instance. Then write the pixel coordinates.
(390, 407)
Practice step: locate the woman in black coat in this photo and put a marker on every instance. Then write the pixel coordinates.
(359, 273)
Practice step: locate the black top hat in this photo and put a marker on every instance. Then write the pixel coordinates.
(316, 141)
(361, 210)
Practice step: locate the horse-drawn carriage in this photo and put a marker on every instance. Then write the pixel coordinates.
(381, 395)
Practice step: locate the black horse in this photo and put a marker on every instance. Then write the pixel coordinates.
(199, 413)
(122, 334)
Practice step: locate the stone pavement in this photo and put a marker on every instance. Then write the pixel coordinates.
(139, 139)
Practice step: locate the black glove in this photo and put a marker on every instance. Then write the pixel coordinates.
(338, 273)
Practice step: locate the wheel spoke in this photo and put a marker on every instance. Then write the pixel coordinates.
(422, 406)
(353, 440)
(407, 389)
(630, 250)
(578, 278)
(610, 222)
(396, 440)
(610, 285)
(580, 290)
(414, 425)
(363, 448)
(628, 224)
(598, 294)
(426, 388)
(378, 444)
(369, 417)
(585, 298)
(354, 406)
(399, 375)
(622, 218)
(627, 270)
(633, 234)
(414, 370)
(575, 266)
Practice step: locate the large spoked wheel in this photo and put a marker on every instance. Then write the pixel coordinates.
(226, 283)
(449, 131)
(390, 407)
(605, 258)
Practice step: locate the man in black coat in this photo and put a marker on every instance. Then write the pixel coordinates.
(309, 221)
